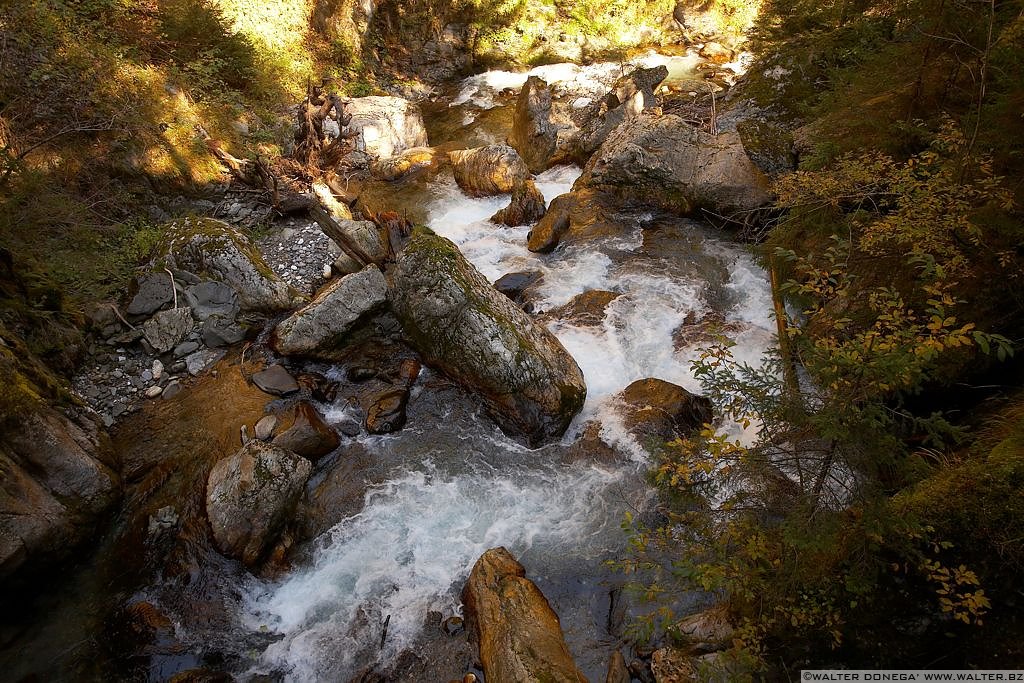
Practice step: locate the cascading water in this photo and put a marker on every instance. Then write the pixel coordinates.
(457, 486)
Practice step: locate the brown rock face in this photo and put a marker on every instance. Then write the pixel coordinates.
(490, 170)
(543, 133)
(308, 435)
(526, 206)
(577, 215)
(403, 164)
(249, 496)
(659, 408)
(57, 477)
(586, 309)
(518, 634)
(662, 160)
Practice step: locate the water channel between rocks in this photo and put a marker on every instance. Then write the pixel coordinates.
(458, 486)
(449, 485)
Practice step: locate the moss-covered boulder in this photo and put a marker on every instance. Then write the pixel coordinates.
(249, 497)
(213, 249)
(518, 634)
(660, 159)
(462, 325)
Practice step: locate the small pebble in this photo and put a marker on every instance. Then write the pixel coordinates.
(154, 391)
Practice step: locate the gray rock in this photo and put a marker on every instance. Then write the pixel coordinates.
(172, 389)
(154, 391)
(199, 361)
(166, 329)
(275, 380)
(526, 207)
(212, 298)
(264, 428)
(661, 160)
(249, 497)
(631, 95)
(462, 325)
(218, 251)
(154, 291)
(185, 348)
(385, 126)
(320, 328)
(220, 331)
(543, 133)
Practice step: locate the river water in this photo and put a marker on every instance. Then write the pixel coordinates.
(449, 485)
(458, 486)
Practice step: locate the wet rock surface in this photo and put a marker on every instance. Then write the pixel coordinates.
(490, 170)
(661, 409)
(250, 496)
(518, 634)
(304, 432)
(462, 325)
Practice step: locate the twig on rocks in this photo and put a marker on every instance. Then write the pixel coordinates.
(121, 317)
(173, 288)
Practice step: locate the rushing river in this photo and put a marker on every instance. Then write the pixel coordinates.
(458, 486)
(449, 485)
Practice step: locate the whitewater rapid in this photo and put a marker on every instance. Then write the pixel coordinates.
(458, 486)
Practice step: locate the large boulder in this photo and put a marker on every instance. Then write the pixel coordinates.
(518, 634)
(212, 248)
(58, 478)
(322, 326)
(249, 497)
(543, 131)
(578, 215)
(490, 170)
(525, 208)
(459, 323)
(386, 126)
(660, 159)
(654, 407)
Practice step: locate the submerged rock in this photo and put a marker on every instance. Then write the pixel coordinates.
(460, 324)
(320, 328)
(275, 380)
(386, 413)
(209, 247)
(58, 478)
(658, 408)
(249, 497)
(526, 207)
(514, 285)
(307, 435)
(586, 309)
(662, 160)
(490, 170)
(386, 126)
(518, 634)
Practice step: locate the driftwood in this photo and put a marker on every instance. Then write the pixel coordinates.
(309, 138)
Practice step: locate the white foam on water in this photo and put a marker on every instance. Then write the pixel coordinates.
(411, 547)
(409, 551)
